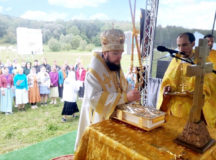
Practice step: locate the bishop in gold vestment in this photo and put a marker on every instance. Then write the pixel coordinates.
(104, 87)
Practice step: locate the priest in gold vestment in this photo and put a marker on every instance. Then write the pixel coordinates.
(212, 53)
(106, 86)
(176, 90)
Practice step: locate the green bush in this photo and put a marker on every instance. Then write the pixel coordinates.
(54, 45)
(96, 40)
(66, 46)
(66, 38)
(82, 45)
(75, 41)
(90, 47)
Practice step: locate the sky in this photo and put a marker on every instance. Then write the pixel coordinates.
(192, 14)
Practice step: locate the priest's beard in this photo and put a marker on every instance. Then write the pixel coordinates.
(112, 66)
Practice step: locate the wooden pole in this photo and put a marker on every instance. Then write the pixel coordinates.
(134, 37)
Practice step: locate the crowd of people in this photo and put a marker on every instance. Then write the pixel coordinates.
(24, 83)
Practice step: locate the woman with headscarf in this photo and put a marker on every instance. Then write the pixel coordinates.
(53, 85)
(34, 93)
(27, 68)
(70, 92)
(21, 92)
(61, 77)
(44, 85)
(6, 83)
(0, 85)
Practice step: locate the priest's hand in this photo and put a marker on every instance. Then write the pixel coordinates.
(133, 95)
(167, 89)
(166, 98)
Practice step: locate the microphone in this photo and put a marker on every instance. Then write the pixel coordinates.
(164, 49)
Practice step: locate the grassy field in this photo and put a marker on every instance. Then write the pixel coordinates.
(22, 129)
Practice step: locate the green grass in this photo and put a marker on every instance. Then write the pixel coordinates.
(54, 147)
(22, 129)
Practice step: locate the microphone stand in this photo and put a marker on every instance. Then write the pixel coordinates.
(188, 61)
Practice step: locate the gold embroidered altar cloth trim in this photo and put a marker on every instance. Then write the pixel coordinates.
(109, 140)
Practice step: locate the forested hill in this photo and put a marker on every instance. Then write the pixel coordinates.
(166, 36)
(79, 33)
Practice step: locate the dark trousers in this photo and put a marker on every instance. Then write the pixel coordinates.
(81, 91)
(60, 90)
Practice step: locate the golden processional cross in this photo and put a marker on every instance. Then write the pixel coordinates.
(195, 134)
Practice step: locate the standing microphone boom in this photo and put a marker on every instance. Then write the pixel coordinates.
(164, 49)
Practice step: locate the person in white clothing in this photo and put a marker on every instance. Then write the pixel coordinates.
(70, 93)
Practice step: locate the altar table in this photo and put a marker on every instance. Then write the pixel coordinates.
(111, 140)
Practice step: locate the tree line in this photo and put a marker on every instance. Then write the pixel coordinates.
(166, 36)
(80, 34)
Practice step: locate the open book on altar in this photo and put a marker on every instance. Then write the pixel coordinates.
(139, 116)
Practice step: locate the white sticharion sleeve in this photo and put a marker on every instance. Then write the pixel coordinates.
(102, 101)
